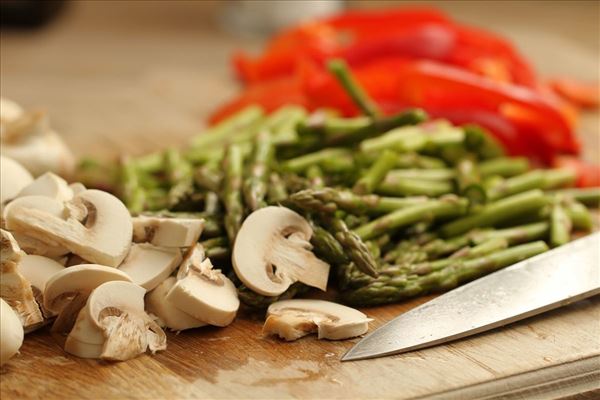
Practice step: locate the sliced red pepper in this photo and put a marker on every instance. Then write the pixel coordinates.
(583, 94)
(588, 174)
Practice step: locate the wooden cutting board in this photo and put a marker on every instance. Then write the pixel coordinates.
(144, 85)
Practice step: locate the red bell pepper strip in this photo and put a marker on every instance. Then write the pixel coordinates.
(361, 37)
(588, 174)
(585, 95)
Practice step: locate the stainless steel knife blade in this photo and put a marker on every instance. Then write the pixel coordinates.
(547, 281)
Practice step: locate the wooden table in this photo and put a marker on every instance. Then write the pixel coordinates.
(115, 83)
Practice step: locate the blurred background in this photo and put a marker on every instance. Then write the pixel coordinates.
(151, 71)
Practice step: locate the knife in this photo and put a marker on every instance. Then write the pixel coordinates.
(541, 283)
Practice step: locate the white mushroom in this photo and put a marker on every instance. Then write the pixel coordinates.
(38, 270)
(9, 111)
(49, 185)
(117, 309)
(29, 140)
(11, 332)
(77, 187)
(168, 315)
(203, 292)
(148, 265)
(15, 289)
(272, 251)
(67, 291)
(13, 178)
(105, 237)
(292, 319)
(167, 232)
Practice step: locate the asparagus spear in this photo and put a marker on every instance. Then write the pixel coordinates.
(517, 184)
(389, 289)
(232, 187)
(580, 216)
(260, 302)
(588, 196)
(329, 200)
(300, 164)
(374, 175)
(277, 191)
(224, 131)
(557, 178)
(179, 175)
(496, 212)
(340, 69)
(354, 247)
(447, 206)
(514, 235)
(326, 246)
(255, 186)
(398, 186)
(207, 178)
(560, 225)
(504, 166)
(315, 176)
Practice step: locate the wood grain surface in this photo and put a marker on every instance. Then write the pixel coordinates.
(127, 78)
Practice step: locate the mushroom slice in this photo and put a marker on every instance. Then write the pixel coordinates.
(85, 340)
(13, 178)
(168, 315)
(9, 111)
(48, 185)
(205, 294)
(272, 251)
(105, 237)
(167, 232)
(77, 187)
(66, 291)
(293, 319)
(11, 332)
(38, 270)
(117, 308)
(30, 141)
(148, 265)
(14, 288)
(31, 245)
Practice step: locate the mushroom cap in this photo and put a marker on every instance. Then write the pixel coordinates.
(38, 269)
(292, 319)
(167, 232)
(85, 331)
(83, 350)
(49, 185)
(77, 279)
(11, 332)
(9, 248)
(13, 178)
(272, 251)
(206, 294)
(169, 315)
(104, 239)
(148, 265)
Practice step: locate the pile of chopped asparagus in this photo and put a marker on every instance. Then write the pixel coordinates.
(400, 205)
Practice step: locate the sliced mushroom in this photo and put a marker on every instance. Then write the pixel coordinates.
(48, 185)
(293, 319)
(13, 178)
(9, 111)
(77, 187)
(15, 289)
(105, 237)
(67, 291)
(11, 332)
(148, 265)
(168, 315)
(85, 340)
(38, 270)
(204, 293)
(272, 251)
(31, 245)
(30, 141)
(117, 308)
(167, 232)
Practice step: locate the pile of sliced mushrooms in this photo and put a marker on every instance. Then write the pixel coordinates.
(108, 283)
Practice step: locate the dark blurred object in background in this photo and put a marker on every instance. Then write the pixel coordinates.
(29, 13)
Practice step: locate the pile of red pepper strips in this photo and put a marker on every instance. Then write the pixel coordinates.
(421, 58)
